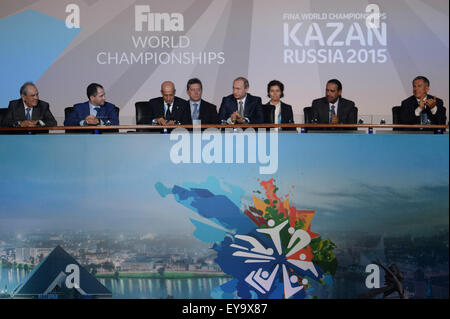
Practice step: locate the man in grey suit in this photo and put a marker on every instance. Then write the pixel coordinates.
(28, 111)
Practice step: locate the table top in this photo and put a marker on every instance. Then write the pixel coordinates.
(158, 127)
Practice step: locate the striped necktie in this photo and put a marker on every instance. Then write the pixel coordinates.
(195, 112)
(332, 112)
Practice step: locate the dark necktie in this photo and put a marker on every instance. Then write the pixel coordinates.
(168, 113)
(97, 109)
(241, 108)
(28, 115)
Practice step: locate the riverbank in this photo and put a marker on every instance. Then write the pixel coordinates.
(156, 275)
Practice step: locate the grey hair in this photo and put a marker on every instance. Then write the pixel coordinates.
(23, 88)
(424, 79)
(241, 78)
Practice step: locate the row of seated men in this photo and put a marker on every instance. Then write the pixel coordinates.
(238, 108)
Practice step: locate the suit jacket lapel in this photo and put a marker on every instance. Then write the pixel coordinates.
(161, 108)
(175, 107)
(340, 108)
(86, 110)
(201, 112)
(35, 111)
(36, 115)
(284, 113)
(20, 110)
(101, 112)
(271, 113)
(247, 105)
(325, 107)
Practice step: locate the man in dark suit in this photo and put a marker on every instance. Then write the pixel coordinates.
(333, 108)
(422, 108)
(28, 111)
(275, 111)
(96, 111)
(170, 109)
(241, 107)
(199, 108)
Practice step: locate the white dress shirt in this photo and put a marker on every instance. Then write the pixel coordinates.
(419, 110)
(243, 109)
(336, 104)
(40, 122)
(277, 112)
(166, 105)
(25, 108)
(92, 111)
(193, 107)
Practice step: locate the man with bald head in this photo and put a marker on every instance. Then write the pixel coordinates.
(170, 109)
(29, 110)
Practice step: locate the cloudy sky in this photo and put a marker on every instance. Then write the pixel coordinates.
(384, 184)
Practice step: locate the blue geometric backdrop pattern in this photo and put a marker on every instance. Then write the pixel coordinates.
(31, 42)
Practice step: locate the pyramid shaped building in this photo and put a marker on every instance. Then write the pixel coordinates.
(60, 276)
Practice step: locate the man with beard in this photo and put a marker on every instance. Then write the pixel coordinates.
(333, 108)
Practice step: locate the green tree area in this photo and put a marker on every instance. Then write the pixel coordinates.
(14, 265)
(93, 268)
(324, 255)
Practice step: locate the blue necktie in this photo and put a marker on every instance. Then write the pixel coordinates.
(97, 109)
(424, 117)
(195, 113)
(28, 115)
(279, 118)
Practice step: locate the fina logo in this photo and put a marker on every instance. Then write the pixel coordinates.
(157, 21)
